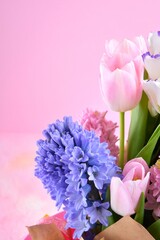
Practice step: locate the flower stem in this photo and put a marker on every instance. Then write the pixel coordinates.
(122, 126)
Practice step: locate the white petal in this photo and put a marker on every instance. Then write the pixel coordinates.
(152, 110)
(152, 89)
(152, 66)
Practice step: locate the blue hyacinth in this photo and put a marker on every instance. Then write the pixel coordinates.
(76, 169)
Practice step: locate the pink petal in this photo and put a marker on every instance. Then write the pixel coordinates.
(28, 237)
(114, 86)
(129, 48)
(129, 175)
(134, 171)
(144, 183)
(134, 191)
(141, 44)
(121, 201)
(135, 162)
(139, 67)
(157, 211)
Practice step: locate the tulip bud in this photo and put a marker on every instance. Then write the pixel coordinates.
(121, 74)
(125, 193)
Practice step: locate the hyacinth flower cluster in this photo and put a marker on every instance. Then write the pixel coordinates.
(76, 169)
(153, 195)
(105, 129)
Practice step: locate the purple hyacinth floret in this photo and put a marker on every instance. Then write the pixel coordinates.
(98, 212)
(76, 169)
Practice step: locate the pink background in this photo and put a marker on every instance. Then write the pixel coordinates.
(49, 67)
(50, 52)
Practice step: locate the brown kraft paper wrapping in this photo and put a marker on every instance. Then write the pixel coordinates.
(124, 229)
(45, 232)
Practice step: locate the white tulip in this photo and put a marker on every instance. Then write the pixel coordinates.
(152, 89)
(152, 65)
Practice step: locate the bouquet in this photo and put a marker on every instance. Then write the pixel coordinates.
(109, 188)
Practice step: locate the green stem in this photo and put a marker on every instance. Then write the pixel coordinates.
(122, 129)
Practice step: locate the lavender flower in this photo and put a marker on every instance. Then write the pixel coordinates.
(76, 169)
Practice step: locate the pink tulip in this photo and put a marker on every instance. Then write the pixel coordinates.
(125, 193)
(121, 74)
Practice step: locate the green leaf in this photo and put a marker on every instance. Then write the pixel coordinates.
(154, 229)
(140, 209)
(137, 130)
(147, 150)
(152, 123)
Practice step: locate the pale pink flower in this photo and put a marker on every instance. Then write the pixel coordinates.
(153, 195)
(105, 129)
(121, 73)
(125, 193)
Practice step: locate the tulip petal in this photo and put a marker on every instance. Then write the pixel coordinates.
(121, 74)
(134, 173)
(129, 48)
(139, 67)
(138, 163)
(152, 65)
(134, 191)
(141, 44)
(144, 183)
(136, 187)
(28, 237)
(152, 110)
(121, 201)
(152, 89)
(119, 89)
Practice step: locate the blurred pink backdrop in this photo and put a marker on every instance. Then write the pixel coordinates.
(50, 52)
(49, 67)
